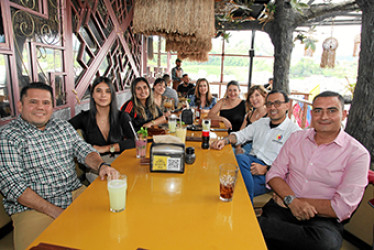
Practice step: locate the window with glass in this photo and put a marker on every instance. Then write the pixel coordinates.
(5, 109)
(228, 60)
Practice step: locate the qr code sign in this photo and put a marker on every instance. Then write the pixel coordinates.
(174, 163)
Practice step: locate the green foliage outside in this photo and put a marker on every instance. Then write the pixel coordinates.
(237, 68)
(307, 67)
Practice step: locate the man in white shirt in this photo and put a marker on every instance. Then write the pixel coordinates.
(268, 136)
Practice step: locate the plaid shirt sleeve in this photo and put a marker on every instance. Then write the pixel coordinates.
(12, 183)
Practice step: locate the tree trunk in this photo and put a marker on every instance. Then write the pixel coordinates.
(281, 35)
(361, 116)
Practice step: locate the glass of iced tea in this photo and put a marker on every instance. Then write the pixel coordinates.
(228, 173)
(169, 104)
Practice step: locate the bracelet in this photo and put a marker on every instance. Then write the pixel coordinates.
(102, 164)
(227, 139)
(153, 122)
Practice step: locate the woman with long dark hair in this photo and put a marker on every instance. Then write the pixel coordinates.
(159, 87)
(103, 125)
(141, 107)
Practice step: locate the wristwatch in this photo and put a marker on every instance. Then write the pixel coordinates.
(288, 199)
(112, 150)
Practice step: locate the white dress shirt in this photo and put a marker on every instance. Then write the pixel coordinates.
(267, 141)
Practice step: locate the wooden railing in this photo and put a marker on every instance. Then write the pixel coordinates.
(300, 98)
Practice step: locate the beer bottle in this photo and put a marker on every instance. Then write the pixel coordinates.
(197, 113)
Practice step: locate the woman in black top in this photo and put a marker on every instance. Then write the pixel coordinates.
(230, 109)
(141, 107)
(103, 125)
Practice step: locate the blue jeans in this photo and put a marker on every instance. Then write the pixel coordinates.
(247, 147)
(255, 184)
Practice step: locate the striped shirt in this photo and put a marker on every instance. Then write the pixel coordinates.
(42, 160)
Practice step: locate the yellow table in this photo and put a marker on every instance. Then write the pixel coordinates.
(163, 210)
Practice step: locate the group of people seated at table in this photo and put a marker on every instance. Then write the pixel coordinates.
(318, 175)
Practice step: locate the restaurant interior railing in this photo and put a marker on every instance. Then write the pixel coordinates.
(299, 110)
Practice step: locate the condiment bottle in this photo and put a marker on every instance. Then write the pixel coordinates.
(197, 113)
(205, 133)
(190, 155)
(205, 139)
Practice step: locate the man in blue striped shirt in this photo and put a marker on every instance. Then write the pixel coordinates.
(37, 168)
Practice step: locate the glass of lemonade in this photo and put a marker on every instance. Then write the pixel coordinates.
(172, 123)
(181, 132)
(117, 188)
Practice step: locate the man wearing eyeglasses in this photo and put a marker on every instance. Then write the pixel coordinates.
(268, 135)
(319, 178)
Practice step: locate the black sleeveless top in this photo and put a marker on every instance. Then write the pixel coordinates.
(235, 115)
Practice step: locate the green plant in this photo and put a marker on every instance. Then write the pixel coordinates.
(143, 132)
(350, 86)
(299, 5)
(306, 38)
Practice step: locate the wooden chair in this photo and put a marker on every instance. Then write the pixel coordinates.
(361, 224)
(5, 220)
(261, 200)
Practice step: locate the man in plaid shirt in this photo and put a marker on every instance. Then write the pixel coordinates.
(37, 168)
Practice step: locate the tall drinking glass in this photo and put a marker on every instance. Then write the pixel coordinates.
(181, 132)
(169, 104)
(228, 174)
(172, 123)
(141, 147)
(117, 187)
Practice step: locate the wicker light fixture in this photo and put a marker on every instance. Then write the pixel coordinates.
(188, 26)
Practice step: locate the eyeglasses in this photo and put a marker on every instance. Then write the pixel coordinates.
(276, 104)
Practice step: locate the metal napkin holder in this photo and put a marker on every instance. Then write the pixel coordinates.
(167, 157)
